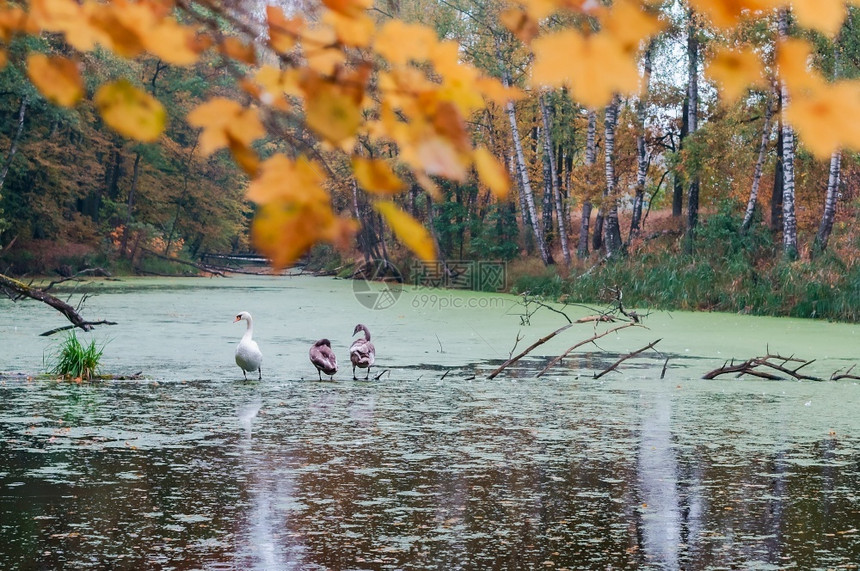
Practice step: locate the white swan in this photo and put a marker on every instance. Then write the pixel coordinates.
(362, 353)
(248, 354)
(323, 358)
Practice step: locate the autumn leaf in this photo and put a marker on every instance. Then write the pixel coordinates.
(734, 71)
(284, 230)
(354, 31)
(375, 176)
(334, 115)
(131, 111)
(221, 118)
(281, 178)
(408, 230)
(491, 173)
(792, 57)
(171, 42)
(826, 16)
(399, 42)
(283, 31)
(520, 23)
(57, 78)
(235, 48)
(349, 8)
(594, 68)
(493, 90)
(726, 14)
(820, 117)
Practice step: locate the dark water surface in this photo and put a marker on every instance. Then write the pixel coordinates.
(426, 468)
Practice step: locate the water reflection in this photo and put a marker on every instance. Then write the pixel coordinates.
(513, 473)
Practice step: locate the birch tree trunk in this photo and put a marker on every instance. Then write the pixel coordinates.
(776, 195)
(612, 235)
(590, 158)
(832, 194)
(553, 172)
(826, 226)
(642, 166)
(523, 177)
(789, 220)
(692, 125)
(677, 179)
(13, 147)
(762, 151)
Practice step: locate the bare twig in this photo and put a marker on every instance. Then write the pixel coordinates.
(625, 357)
(95, 271)
(663, 372)
(540, 341)
(39, 295)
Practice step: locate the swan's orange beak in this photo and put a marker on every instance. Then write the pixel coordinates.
(237, 319)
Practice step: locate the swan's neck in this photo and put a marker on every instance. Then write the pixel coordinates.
(366, 333)
(249, 331)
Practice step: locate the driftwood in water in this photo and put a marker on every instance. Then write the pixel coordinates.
(22, 289)
(581, 343)
(625, 357)
(754, 368)
(837, 376)
(540, 341)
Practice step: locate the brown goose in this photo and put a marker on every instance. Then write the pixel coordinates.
(323, 358)
(362, 353)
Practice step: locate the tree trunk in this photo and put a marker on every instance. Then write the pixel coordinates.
(776, 195)
(762, 151)
(523, 175)
(590, 158)
(826, 226)
(130, 205)
(553, 171)
(642, 163)
(692, 120)
(613, 229)
(789, 220)
(677, 179)
(13, 147)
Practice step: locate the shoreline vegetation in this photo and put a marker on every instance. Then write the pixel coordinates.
(731, 272)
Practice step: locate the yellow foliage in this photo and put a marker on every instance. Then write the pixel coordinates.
(726, 14)
(734, 71)
(826, 16)
(223, 120)
(375, 176)
(823, 117)
(283, 31)
(333, 114)
(408, 230)
(130, 111)
(399, 42)
(348, 8)
(356, 31)
(57, 78)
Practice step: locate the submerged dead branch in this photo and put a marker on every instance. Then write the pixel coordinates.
(625, 357)
(754, 366)
(537, 343)
(581, 343)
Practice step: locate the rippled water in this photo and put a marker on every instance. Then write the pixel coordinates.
(432, 466)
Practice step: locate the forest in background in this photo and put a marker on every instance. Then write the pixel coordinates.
(674, 196)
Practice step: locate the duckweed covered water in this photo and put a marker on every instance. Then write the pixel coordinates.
(432, 466)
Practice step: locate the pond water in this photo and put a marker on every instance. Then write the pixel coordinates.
(432, 466)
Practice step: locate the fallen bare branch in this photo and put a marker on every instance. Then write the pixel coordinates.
(67, 327)
(540, 341)
(581, 343)
(625, 357)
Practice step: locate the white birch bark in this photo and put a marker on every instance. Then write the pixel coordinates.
(789, 219)
(762, 152)
(590, 158)
(553, 172)
(642, 163)
(612, 236)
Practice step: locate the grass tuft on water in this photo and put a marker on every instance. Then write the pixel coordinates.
(74, 360)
